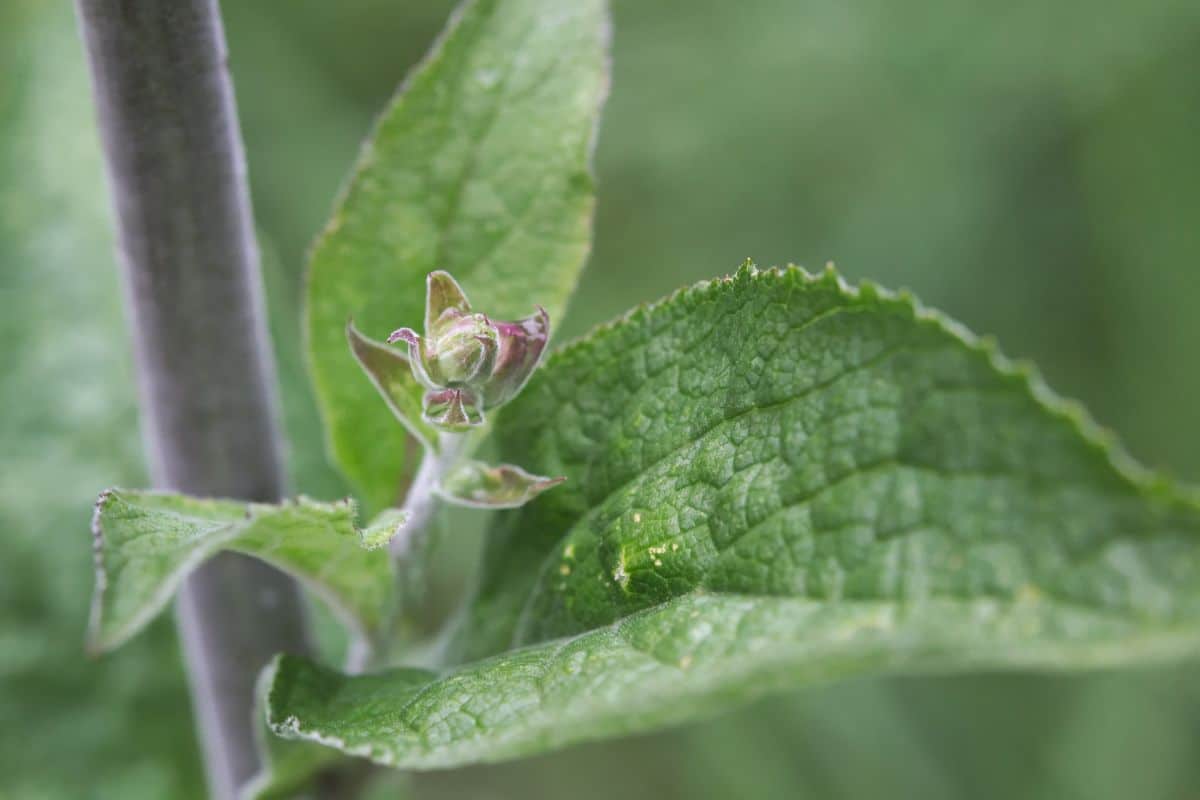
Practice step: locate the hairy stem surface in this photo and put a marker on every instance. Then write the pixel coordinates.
(421, 501)
(205, 372)
(410, 549)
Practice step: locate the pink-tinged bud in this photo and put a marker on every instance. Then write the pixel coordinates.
(416, 357)
(463, 351)
(521, 346)
(468, 362)
(453, 409)
(404, 334)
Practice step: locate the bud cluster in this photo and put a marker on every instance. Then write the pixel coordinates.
(467, 362)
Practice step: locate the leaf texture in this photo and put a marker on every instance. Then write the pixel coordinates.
(480, 166)
(146, 543)
(775, 479)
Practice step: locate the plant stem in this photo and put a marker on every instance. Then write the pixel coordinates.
(421, 501)
(205, 372)
(411, 548)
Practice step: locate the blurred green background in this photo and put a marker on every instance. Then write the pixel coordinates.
(1030, 167)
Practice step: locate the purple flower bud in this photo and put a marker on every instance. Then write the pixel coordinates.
(468, 362)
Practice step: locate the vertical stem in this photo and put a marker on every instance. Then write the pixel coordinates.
(410, 547)
(205, 372)
(421, 501)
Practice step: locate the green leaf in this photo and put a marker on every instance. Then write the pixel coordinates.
(776, 479)
(689, 657)
(777, 434)
(390, 373)
(478, 485)
(146, 543)
(480, 166)
(289, 768)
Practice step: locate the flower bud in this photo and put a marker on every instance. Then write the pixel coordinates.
(453, 409)
(464, 352)
(467, 362)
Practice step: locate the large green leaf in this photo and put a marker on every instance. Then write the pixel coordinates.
(776, 479)
(480, 166)
(146, 543)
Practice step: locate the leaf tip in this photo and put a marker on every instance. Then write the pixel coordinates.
(548, 483)
(443, 296)
(382, 530)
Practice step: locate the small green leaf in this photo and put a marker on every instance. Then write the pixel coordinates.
(146, 543)
(393, 379)
(383, 529)
(478, 485)
(480, 166)
(776, 479)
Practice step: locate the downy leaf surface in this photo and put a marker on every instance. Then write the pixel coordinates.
(775, 479)
(480, 166)
(146, 543)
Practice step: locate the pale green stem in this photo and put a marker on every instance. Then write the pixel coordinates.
(410, 548)
(421, 502)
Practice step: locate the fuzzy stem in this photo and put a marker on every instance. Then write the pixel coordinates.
(206, 378)
(411, 547)
(421, 501)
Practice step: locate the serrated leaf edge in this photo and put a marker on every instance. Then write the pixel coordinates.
(97, 643)
(1155, 483)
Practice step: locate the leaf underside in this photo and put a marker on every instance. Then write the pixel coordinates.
(146, 543)
(775, 479)
(481, 167)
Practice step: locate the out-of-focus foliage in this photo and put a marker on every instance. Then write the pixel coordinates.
(69, 726)
(1029, 167)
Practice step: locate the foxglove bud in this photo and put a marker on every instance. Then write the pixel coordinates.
(467, 362)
